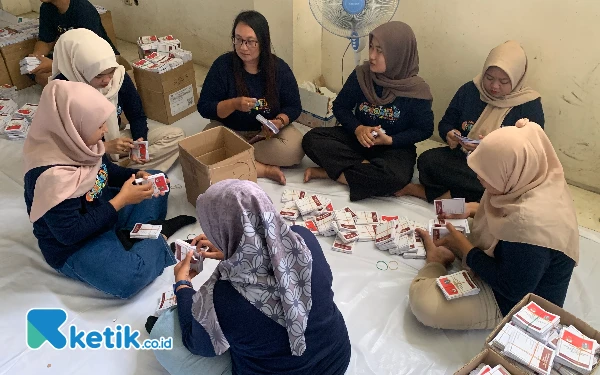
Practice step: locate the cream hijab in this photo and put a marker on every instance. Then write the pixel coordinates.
(68, 113)
(511, 58)
(80, 55)
(536, 207)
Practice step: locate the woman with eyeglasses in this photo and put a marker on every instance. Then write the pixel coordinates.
(252, 80)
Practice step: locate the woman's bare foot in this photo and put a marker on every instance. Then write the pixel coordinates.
(415, 190)
(272, 172)
(314, 172)
(440, 254)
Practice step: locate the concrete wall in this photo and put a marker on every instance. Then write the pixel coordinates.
(560, 38)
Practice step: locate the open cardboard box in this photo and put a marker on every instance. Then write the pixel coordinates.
(315, 108)
(491, 358)
(214, 155)
(566, 318)
(12, 55)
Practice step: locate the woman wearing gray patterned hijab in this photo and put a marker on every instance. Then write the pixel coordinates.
(268, 304)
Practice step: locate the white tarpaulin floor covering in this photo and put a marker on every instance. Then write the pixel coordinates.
(385, 336)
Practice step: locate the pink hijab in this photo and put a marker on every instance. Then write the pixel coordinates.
(68, 113)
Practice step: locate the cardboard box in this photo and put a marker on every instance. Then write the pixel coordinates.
(107, 23)
(489, 357)
(13, 54)
(170, 96)
(315, 108)
(566, 318)
(214, 155)
(4, 76)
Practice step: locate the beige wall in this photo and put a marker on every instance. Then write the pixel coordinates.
(560, 38)
(307, 43)
(15, 7)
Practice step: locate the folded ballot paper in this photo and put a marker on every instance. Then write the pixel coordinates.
(457, 285)
(166, 301)
(28, 64)
(145, 231)
(484, 369)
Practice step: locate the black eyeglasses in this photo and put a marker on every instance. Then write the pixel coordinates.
(250, 43)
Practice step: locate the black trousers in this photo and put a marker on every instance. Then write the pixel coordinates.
(337, 151)
(444, 169)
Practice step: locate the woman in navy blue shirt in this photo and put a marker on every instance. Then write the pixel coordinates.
(497, 97)
(384, 109)
(268, 306)
(524, 237)
(250, 81)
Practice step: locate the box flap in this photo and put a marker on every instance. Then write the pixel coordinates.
(490, 358)
(314, 103)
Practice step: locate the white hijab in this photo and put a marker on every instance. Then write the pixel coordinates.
(80, 55)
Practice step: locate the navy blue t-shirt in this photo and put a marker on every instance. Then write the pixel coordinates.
(519, 268)
(258, 344)
(67, 226)
(466, 107)
(406, 120)
(219, 85)
(80, 15)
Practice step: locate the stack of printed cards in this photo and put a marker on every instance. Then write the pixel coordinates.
(182, 248)
(366, 217)
(28, 64)
(8, 106)
(347, 237)
(182, 54)
(158, 181)
(272, 127)
(484, 369)
(536, 321)
(311, 204)
(290, 195)
(145, 231)
(140, 151)
(505, 335)
(366, 232)
(16, 128)
(530, 352)
(576, 351)
(385, 235)
(289, 211)
(324, 222)
(166, 301)
(457, 285)
(8, 92)
(28, 111)
(454, 206)
(342, 247)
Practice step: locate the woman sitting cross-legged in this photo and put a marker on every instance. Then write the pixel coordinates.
(268, 306)
(82, 56)
(497, 97)
(524, 238)
(81, 205)
(384, 109)
(250, 81)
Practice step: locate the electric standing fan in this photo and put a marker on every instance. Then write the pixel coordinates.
(353, 19)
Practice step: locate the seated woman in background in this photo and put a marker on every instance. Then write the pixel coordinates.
(268, 306)
(249, 81)
(495, 98)
(524, 239)
(78, 201)
(82, 56)
(384, 97)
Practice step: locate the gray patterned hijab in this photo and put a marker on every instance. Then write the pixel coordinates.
(265, 261)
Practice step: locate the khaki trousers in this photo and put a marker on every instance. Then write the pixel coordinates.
(431, 308)
(163, 146)
(282, 150)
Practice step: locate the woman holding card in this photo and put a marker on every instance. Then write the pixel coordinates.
(82, 56)
(384, 109)
(524, 237)
(495, 98)
(268, 306)
(250, 81)
(78, 200)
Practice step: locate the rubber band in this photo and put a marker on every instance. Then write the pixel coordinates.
(381, 269)
(191, 234)
(390, 265)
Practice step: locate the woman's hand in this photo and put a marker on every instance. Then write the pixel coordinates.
(183, 271)
(131, 194)
(45, 65)
(212, 252)
(244, 104)
(145, 175)
(522, 122)
(470, 210)
(470, 146)
(121, 146)
(451, 139)
(364, 136)
(455, 241)
(382, 138)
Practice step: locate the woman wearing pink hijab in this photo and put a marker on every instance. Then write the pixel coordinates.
(524, 237)
(79, 202)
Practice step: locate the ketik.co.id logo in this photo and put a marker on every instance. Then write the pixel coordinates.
(44, 325)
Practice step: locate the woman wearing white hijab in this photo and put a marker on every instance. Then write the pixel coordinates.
(82, 56)
(524, 238)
